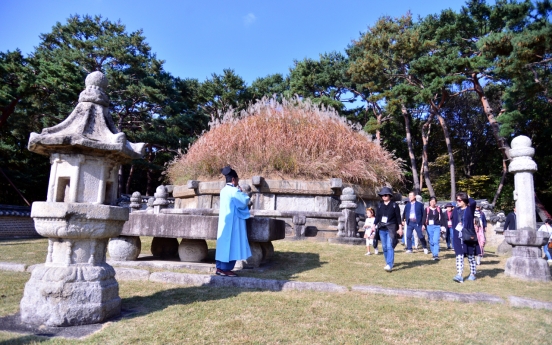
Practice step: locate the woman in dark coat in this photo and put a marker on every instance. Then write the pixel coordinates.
(462, 218)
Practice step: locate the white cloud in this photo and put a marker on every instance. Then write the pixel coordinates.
(249, 19)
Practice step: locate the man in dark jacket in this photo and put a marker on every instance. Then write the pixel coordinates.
(388, 219)
(412, 219)
(510, 223)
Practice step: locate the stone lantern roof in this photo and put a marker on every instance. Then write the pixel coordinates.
(89, 129)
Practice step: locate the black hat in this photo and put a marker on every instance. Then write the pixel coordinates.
(449, 205)
(385, 191)
(227, 171)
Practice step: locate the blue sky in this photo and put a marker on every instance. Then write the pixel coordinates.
(198, 38)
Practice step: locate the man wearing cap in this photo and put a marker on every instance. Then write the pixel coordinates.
(388, 219)
(412, 218)
(446, 224)
(232, 242)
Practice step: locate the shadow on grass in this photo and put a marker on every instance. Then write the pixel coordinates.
(24, 339)
(143, 305)
(414, 263)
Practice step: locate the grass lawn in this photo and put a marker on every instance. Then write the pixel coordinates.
(170, 314)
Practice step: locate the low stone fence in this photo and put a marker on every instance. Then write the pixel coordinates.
(16, 222)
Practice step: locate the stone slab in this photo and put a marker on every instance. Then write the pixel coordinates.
(432, 295)
(12, 266)
(150, 262)
(243, 282)
(199, 227)
(132, 274)
(529, 303)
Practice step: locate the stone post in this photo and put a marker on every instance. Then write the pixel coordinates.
(299, 226)
(526, 262)
(160, 199)
(135, 202)
(76, 286)
(348, 206)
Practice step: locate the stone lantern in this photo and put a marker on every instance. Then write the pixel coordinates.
(526, 261)
(76, 286)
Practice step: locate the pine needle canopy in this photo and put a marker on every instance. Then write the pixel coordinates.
(291, 139)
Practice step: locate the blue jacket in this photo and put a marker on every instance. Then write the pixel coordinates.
(419, 211)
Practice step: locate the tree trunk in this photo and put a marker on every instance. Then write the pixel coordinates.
(422, 175)
(413, 166)
(425, 139)
(501, 184)
(129, 179)
(503, 145)
(543, 214)
(150, 187)
(8, 110)
(451, 157)
(378, 133)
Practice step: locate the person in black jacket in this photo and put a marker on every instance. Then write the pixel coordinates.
(462, 221)
(388, 219)
(510, 223)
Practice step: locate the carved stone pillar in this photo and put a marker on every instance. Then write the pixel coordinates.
(348, 207)
(526, 262)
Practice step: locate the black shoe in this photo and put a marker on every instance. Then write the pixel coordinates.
(220, 272)
(230, 274)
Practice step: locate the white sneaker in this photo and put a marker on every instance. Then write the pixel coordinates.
(367, 253)
(425, 251)
(387, 268)
(408, 252)
(549, 261)
(376, 252)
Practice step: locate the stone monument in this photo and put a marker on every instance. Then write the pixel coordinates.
(75, 285)
(526, 261)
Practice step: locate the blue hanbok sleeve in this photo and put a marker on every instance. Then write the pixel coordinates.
(241, 202)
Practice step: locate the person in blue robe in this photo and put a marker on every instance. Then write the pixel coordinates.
(232, 241)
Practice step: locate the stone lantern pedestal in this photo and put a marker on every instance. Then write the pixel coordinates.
(76, 286)
(526, 262)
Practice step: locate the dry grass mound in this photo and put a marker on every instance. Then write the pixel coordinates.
(294, 139)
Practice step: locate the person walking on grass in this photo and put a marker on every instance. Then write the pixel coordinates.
(369, 231)
(547, 227)
(431, 222)
(446, 223)
(232, 242)
(480, 231)
(464, 237)
(388, 219)
(412, 219)
(481, 236)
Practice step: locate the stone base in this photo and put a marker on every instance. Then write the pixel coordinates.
(348, 240)
(192, 250)
(70, 295)
(527, 268)
(165, 248)
(504, 249)
(124, 248)
(256, 255)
